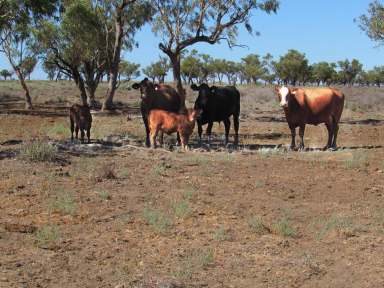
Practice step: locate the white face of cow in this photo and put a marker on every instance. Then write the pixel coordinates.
(284, 92)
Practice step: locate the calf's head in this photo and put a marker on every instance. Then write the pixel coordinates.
(193, 114)
(205, 92)
(146, 87)
(284, 95)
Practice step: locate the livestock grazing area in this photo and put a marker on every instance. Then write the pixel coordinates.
(116, 214)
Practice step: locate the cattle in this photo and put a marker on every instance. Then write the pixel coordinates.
(168, 122)
(157, 96)
(81, 119)
(312, 106)
(217, 104)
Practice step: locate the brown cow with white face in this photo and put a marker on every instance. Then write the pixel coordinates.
(312, 106)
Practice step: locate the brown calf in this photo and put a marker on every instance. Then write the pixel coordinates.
(168, 122)
(81, 119)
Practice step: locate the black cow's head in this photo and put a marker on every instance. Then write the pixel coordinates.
(205, 92)
(147, 88)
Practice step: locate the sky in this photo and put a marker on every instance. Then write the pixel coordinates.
(322, 29)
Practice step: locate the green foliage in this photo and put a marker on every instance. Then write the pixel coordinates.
(38, 151)
(253, 68)
(181, 209)
(157, 70)
(64, 204)
(129, 70)
(372, 23)
(256, 224)
(292, 67)
(323, 72)
(159, 221)
(284, 227)
(47, 235)
(5, 73)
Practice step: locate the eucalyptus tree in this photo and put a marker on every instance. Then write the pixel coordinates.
(76, 45)
(128, 70)
(17, 21)
(122, 19)
(372, 23)
(5, 74)
(183, 23)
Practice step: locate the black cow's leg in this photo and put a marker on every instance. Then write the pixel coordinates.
(161, 138)
(209, 132)
(301, 134)
(89, 135)
(293, 135)
(227, 125)
(200, 131)
(236, 126)
(178, 138)
(82, 135)
(144, 115)
(77, 131)
(72, 128)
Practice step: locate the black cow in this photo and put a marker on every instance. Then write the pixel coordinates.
(217, 104)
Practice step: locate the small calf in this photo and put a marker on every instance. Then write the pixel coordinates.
(81, 119)
(168, 122)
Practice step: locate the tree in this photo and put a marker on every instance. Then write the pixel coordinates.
(253, 68)
(128, 70)
(17, 43)
(122, 19)
(182, 23)
(76, 45)
(5, 74)
(349, 71)
(372, 23)
(51, 69)
(323, 72)
(292, 67)
(157, 70)
(191, 67)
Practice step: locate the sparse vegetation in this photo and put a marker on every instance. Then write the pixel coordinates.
(64, 204)
(160, 222)
(181, 209)
(359, 159)
(104, 195)
(38, 151)
(342, 225)
(47, 235)
(106, 172)
(221, 234)
(283, 227)
(257, 225)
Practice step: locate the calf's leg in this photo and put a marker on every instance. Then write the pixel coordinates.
(153, 135)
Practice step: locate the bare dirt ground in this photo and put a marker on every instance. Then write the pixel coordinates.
(115, 214)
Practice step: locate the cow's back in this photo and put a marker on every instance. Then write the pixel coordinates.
(318, 104)
(164, 98)
(224, 103)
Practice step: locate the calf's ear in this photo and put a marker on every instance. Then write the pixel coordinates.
(277, 88)
(135, 85)
(194, 87)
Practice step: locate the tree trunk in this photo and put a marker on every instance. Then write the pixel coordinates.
(114, 65)
(28, 101)
(80, 84)
(175, 60)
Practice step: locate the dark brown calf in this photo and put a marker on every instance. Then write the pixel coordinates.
(81, 119)
(168, 122)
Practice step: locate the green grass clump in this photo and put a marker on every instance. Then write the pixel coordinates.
(65, 204)
(283, 227)
(359, 159)
(181, 209)
(256, 224)
(38, 151)
(158, 220)
(47, 235)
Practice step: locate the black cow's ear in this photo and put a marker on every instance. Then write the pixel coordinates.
(213, 89)
(194, 87)
(136, 86)
(145, 79)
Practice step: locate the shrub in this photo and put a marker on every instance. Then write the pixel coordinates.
(38, 150)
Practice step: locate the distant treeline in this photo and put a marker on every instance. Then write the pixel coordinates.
(293, 68)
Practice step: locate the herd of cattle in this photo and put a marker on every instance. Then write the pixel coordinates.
(163, 111)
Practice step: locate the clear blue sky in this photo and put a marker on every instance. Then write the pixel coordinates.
(322, 29)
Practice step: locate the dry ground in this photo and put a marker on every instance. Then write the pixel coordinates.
(136, 217)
